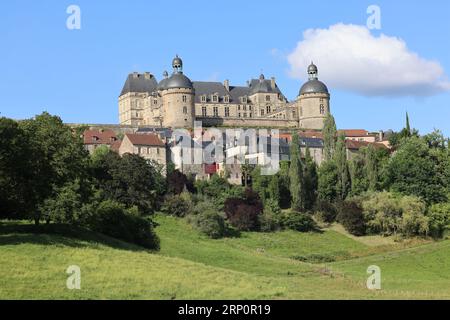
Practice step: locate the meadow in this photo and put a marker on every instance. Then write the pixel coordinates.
(285, 265)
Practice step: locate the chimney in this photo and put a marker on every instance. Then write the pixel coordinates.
(147, 75)
(226, 84)
(381, 135)
(272, 83)
(135, 75)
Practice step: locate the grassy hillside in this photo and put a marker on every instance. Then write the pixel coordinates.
(191, 266)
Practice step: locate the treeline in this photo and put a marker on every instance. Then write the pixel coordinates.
(47, 176)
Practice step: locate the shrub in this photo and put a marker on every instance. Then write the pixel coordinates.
(350, 215)
(115, 220)
(439, 219)
(177, 205)
(243, 214)
(315, 258)
(269, 220)
(208, 221)
(298, 221)
(325, 211)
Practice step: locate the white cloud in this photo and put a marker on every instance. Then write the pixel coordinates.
(349, 57)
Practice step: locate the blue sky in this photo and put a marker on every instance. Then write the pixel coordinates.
(78, 74)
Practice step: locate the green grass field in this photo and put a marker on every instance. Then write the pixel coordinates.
(191, 266)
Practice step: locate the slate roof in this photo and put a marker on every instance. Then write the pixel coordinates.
(137, 82)
(262, 86)
(209, 88)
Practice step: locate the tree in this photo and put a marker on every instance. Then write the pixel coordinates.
(415, 170)
(15, 170)
(58, 157)
(243, 214)
(310, 180)
(343, 175)
(328, 180)
(131, 180)
(371, 168)
(329, 137)
(296, 176)
(273, 189)
(358, 177)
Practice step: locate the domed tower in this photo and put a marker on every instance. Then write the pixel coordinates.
(178, 95)
(313, 101)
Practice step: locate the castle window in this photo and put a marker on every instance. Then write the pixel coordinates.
(239, 107)
(227, 111)
(262, 112)
(245, 114)
(250, 115)
(267, 98)
(203, 98)
(155, 102)
(215, 98)
(322, 109)
(204, 113)
(226, 99)
(244, 99)
(216, 111)
(185, 110)
(239, 114)
(250, 108)
(184, 98)
(244, 108)
(268, 109)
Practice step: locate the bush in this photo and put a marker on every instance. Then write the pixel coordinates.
(325, 211)
(270, 219)
(243, 214)
(298, 221)
(350, 215)
(115, 220)
(390, 214)
(439, 219)
(208, 221)
(177, 205)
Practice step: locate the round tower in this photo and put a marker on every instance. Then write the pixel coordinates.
(313, 101)
(178, 94)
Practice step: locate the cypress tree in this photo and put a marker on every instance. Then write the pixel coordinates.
(340, 156)
(329, 137)
(370, 168)
(310, 180)
(296, 176)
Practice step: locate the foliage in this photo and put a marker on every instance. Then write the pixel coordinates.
(328, 179)
(269, 220)
(298, 221)
(296, 176)
(243, 213)
(131, 180)
(177, 182)
(178, 205)
(325, 211)
(115, 220)
(329, 137)
(358, 177)
(350, 215)
(439, 218)
(343, 176)
(310, 180)
(208, 221)
(414, 170)
(388, 214)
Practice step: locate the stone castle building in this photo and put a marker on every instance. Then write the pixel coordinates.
(176, 102)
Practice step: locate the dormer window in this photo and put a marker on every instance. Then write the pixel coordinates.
(215, 98)
(226, 99)
(203, 99)
(244, 99)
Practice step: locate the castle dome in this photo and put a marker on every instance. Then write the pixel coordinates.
(178, 80)
(314, 86)
(162, 83)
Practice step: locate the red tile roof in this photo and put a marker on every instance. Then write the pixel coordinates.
(310, 134)
(148, 139)
(99, 137)
(115, 146)
(354, 132)
(356, 145)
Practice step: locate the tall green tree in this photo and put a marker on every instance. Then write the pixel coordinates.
(310, 180)
(296, 176)
(329, 137)
(371, 168)
(58, 157)
(340, 156)
(273, 189)
(328, 180)
(358, 177)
